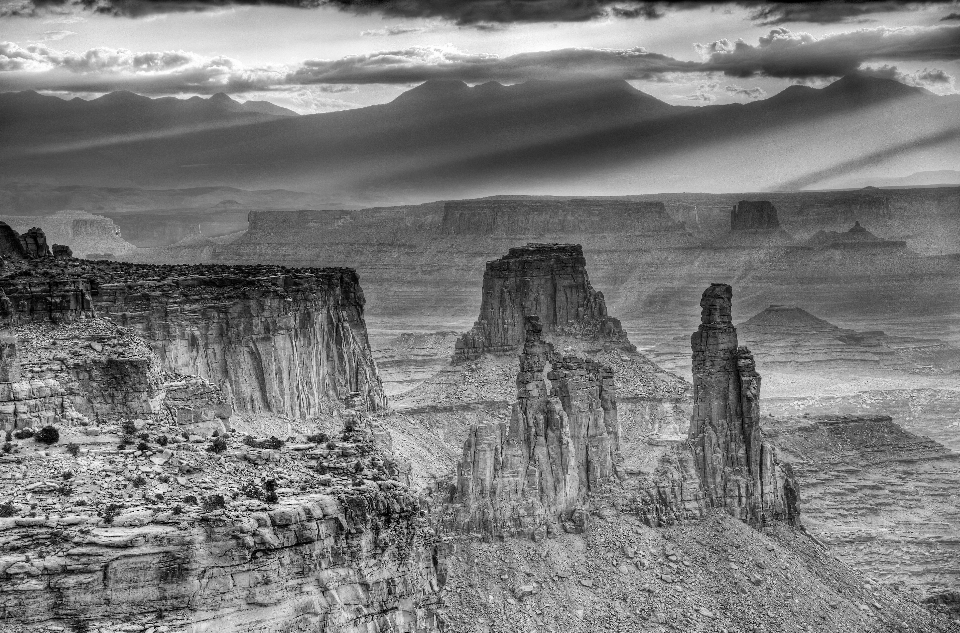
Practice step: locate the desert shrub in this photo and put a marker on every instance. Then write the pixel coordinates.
(191, 499)
(139, 481)
(273, 443)
(252, 491)
(270, 487)
(213, 502)
(318, 438)
(123, 445)
(186, 435)
(331, 445)
(218, 445)
(9, 437)
(163, 440)
(65, 489)
(143, 446)
(128, 427)
(22, 434)
(67, 474)
(48, 435)
(110, 512)
(216, 432)
(7, 447)
(177, 509)
(73, 448)
(144, 436)
(7, 509)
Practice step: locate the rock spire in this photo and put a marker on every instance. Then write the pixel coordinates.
(533, 475)
(738, 470)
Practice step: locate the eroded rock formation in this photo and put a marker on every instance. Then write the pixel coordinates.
(532, 475)
(738, 470)
(546, 280)
(754, 215)
(30, 245)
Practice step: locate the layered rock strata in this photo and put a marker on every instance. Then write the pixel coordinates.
(546, 280)
(533, 475)
(738, 470)
(284, 343)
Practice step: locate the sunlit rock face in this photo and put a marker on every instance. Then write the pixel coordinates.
(546, 280)
(739, 471)
(532, 476)
(290, 344)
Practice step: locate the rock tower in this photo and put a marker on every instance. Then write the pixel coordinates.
(738, 470)
(532, 476)
(754, 215)
(546, 280)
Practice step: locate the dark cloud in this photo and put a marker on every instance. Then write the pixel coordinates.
(787, 54)
(483, 13)
(421, 63)
(950, 16)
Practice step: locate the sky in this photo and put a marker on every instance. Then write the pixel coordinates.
(335, 54)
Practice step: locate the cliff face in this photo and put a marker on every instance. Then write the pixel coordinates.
(289, 344)
(546, 280)
(532, 475)
(30, 245)
(544, 217)
(738, 470)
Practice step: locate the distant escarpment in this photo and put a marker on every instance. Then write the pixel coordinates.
(758, 215)
(857, 236)
(530, 476)
(84, 233)
(546, 280)
(522, 217)
(739, 471)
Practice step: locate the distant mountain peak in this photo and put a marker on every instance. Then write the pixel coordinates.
(868, 86)
(222, 97)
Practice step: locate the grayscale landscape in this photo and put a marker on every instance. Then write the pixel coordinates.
(548, 316)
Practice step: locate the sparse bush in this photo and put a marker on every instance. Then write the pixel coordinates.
(270, 487)
(65, 489)
(213, 502)
(331, 445)
(7, 447)
(144, 436)
(163, 440)
(139, 481)
(177, 509)
(48, 435)
(110, 512)
(128, 427)
(218, 445)
(191, 499)
(164, 479)
(123, 445)
(143, 446)
(186, 435)
(358, 467)
(73, 448)
(252, 491)
(22, 434)
(7, 510)
(318, 438)
(9, 437)
(67, 474)
(216, 432)
(273, 443)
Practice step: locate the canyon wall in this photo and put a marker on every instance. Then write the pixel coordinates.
(284, 343)
(739, 471)
(546, 280)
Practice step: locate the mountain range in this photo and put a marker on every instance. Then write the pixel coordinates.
(445, 139)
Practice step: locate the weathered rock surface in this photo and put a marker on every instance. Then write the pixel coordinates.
(754, 215)
(739, 471)
(533, 475)
(546, 280)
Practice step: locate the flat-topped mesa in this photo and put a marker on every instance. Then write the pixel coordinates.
(754, 215)
(856, 237)
(546, 280)
(738, 470)
(532, 217)
(533, 475)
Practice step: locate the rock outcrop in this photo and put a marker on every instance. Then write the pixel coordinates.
(857, 236)
(533, 475)
(29, 245)
(754, 215)
(738, 470)
(546, 280)
(278, 342)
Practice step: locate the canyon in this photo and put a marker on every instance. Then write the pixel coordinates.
(235, 464)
